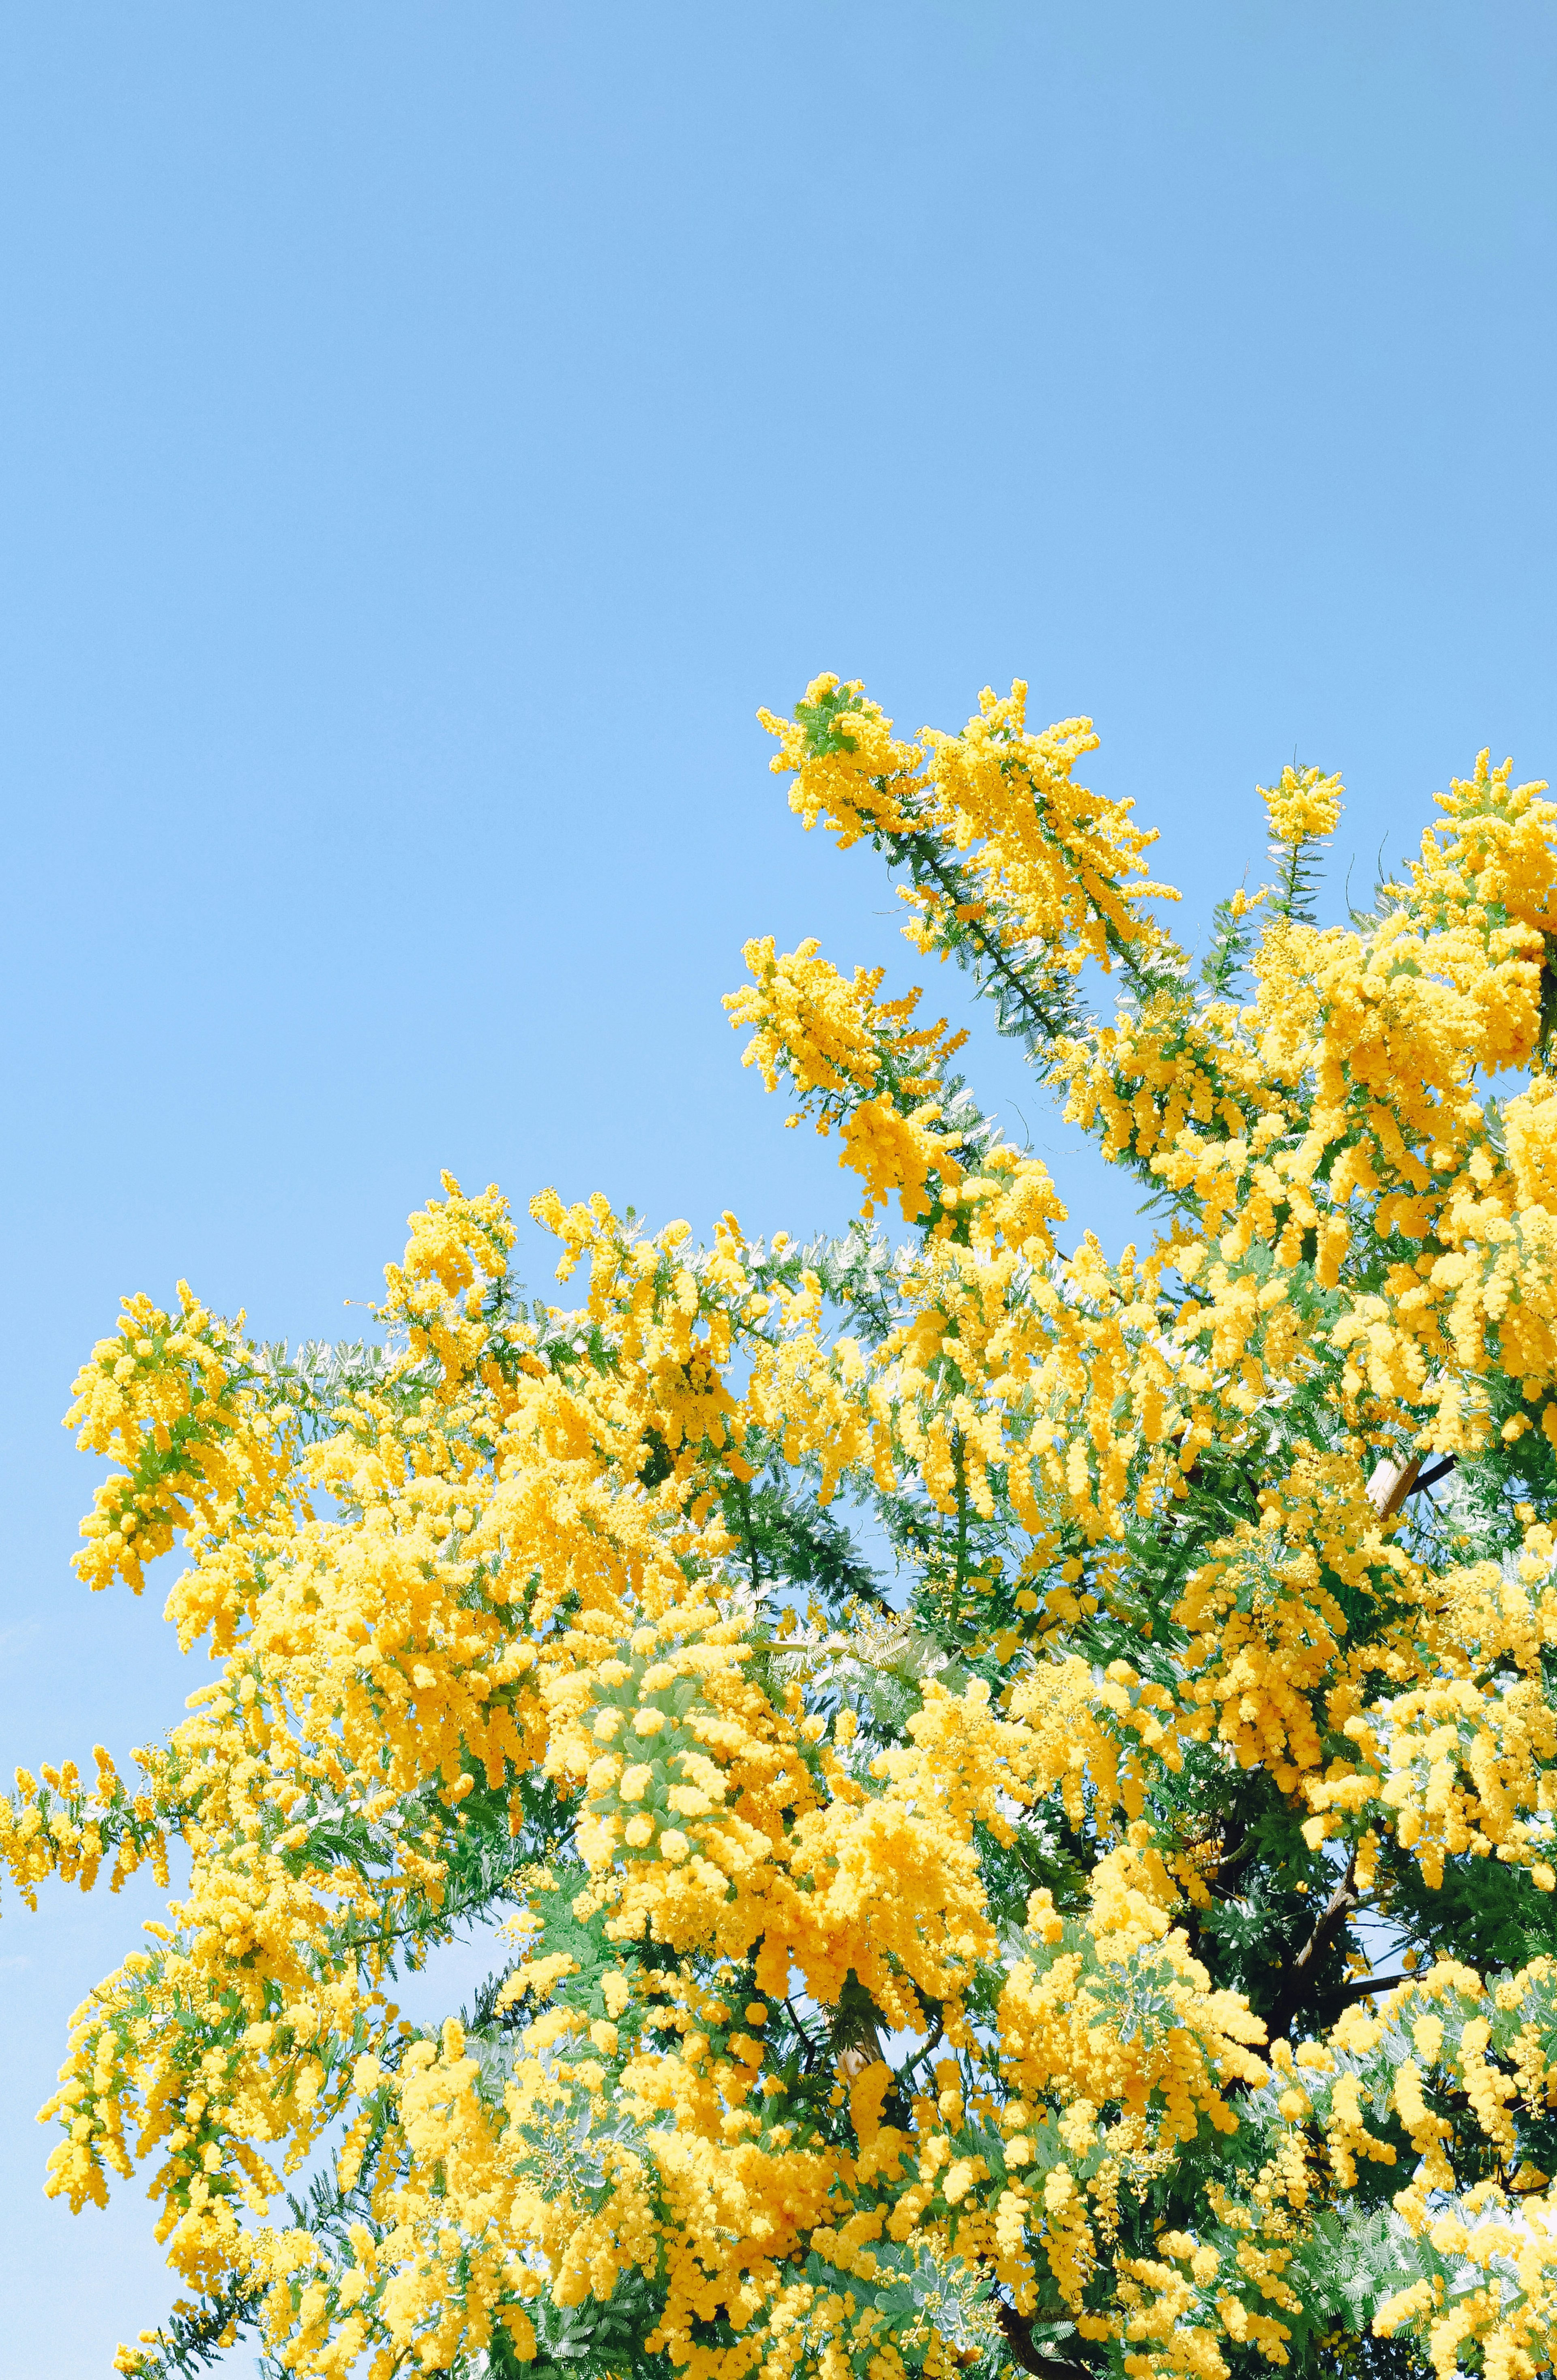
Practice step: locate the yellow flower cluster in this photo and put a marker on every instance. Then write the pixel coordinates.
(1303, 807)
(835, 1041)
(997, 832)
(894, 1975)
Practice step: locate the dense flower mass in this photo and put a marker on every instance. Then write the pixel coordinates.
(1012, 1793)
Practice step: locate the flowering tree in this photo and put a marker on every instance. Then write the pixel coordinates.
(1011, 1793)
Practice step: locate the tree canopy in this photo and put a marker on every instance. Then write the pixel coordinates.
(1011, 1792)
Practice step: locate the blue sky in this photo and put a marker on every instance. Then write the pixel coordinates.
(427, 434)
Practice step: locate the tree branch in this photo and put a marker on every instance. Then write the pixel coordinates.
(1019, 2338)
(1391, 1482)
(1044, 1019)
(1362, 1987)
(1338, 1907)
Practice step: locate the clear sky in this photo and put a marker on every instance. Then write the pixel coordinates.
(427, 434)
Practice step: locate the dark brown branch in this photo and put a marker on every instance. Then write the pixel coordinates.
(1362, 1987)
(1019, 2338)
(1231, 1861)
(1337, 1909)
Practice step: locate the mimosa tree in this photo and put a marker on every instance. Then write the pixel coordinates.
(1011, 1793)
